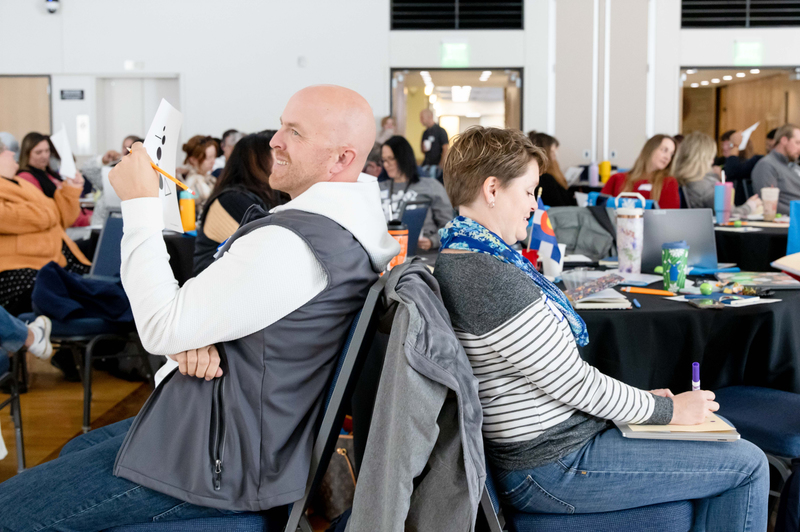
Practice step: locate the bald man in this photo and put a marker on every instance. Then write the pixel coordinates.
(229, 428)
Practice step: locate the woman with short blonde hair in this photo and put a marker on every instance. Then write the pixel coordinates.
(694, 171)
(546, 412)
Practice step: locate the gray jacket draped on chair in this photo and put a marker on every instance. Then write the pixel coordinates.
(423, 468)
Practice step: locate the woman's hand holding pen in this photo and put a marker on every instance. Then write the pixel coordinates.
(692, 408)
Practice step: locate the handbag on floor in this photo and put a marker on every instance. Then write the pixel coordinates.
(335, 494)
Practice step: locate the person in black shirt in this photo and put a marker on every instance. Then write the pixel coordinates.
(555, 190)
(434, 145)
(244, 182)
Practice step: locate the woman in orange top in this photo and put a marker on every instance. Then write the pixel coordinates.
(650, 175)
(34, 167)
(32, 233)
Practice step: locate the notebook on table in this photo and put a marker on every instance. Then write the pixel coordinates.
(772, 280)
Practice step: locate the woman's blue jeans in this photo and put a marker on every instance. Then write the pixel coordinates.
(729, 481)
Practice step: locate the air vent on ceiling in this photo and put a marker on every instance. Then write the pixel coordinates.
(739, 13)
(457, 14)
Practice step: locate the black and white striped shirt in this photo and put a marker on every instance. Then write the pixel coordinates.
(531, 376)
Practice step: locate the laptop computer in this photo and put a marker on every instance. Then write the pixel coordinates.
(695, 226)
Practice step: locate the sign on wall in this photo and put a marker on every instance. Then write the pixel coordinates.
(748, 53)
(455, 54)
(72, 94)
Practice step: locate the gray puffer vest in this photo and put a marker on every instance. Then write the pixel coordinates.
(243, 441)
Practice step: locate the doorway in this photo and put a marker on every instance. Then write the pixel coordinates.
(126, 106)
(458, 98)
(31, 109)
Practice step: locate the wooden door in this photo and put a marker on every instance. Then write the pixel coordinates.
(25, 105)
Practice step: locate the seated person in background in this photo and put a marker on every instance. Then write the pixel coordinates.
(32, 232)
(373, 166)
(15, 334)
(244, 182)
(770, 139)
(200, 154)
(555, 190)
(229, 140)
(775, 170)
(92, 170)
(405, 185)
(34, 167)
(650, 175)
(693, 170)
(434, 145)
(307, 267)
(10, 142)
(387, 129)
(547, 412)
(736, 167)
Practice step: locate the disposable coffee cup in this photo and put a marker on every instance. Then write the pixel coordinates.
(551, 267)
(675, 261)
(769, 196)
(630, 236)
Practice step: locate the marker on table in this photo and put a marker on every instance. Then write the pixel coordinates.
(652, 292)
(637, 304)
(695, 376)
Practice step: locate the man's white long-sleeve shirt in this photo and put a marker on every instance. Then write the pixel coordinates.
(264, 276)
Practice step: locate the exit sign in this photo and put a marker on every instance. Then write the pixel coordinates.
(455, 54)
(748, 53)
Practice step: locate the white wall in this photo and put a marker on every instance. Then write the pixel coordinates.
(238, 61)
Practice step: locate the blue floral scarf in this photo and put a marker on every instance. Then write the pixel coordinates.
(466, 234)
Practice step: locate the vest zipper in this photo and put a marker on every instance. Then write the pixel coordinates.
(217, 435)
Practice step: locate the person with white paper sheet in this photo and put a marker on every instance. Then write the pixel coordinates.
(738, 164)
(32, 233)
(307, 266)
(34, 167)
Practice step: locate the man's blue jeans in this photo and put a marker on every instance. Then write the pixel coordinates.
(78, 492)
(729, 481)
(13, 334)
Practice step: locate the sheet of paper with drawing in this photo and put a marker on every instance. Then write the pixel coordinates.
(61, 144)
(161, 144)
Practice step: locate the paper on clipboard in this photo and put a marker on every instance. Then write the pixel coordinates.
(61, 144)
(746, 134)
(161, 144)
(713, 423)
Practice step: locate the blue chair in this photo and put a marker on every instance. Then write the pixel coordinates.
(340, 390)
(666, 517)
(82, 336)
(764, 417)
(414, 219)
(11, 376)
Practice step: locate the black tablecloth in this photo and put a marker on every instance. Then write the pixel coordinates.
(752, 252)
(654, 346)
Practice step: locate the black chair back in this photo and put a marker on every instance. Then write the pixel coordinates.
(340, 391)
(414, 218)
(108, 257)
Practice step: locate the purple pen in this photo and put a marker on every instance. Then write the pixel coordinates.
(695, 376)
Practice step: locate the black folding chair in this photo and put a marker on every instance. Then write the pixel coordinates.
(12, 377)
(81, 336)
